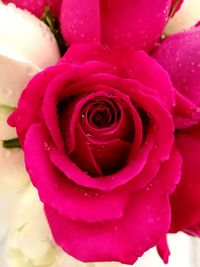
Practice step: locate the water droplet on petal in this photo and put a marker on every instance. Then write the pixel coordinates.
(46, 146)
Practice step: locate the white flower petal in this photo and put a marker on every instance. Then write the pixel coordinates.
(27, 36)
(15, 75)
(185, 18)
(64, 260)
(6, 132)
(30, 242)
(13, 173)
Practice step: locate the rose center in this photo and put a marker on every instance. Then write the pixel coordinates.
(101, 113)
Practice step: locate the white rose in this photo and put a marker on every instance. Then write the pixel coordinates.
(29, 240)
(13, 176)
(185, 18)
(26, 47)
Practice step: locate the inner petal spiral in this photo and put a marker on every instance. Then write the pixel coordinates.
(101, 112)
(100, 130)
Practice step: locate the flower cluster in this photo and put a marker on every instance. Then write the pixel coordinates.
(110, 128)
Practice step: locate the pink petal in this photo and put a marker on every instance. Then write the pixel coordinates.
(193, 230)
(133, 22)
(57, 191)
(37, 7)
(179, 55)
(185, 112)
(80, 21)
(163, 249)
(127, 63)
(81, 53)
(185, 200)
(114, 23)
(30, 103)
(147, 71)
(146, 219)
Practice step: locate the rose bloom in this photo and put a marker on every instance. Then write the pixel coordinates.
(98, 137)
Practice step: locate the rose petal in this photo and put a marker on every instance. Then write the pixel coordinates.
(114, 23)
(128, 63)
(179, 55)
(187, 193)
(30, 101)
(149, 73)
(193, 230)
(122, 240)
(185, 112)
(53, 95)
(80, 21)
(37, 7)
(163, 249)
(57, 191)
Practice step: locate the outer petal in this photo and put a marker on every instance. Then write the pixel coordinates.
(179, 54)
(114, 22)
(145, 220)
(185, 200)
(37, 7)
(30, 101)
(128, 63)
(57, 191)
(80, 21)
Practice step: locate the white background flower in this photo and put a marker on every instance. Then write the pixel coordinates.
(185, 18)
(26, 47)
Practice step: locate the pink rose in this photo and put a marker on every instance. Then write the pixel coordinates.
(114, 22)
(180, 56)
(37, 7)
(98, 133)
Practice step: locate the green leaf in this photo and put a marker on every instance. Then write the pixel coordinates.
(49, 19)
(12, 143)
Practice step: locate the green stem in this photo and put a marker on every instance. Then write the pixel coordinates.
(12, 143)
(49, 19)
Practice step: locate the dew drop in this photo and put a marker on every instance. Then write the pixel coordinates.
(30, 71)
(7, 92)
(149, 208)
(46, 146)
(48, 35)
(7, 153)
(150, 220)
(12, 5)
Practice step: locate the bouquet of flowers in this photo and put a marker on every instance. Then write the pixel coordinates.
(99, 129)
